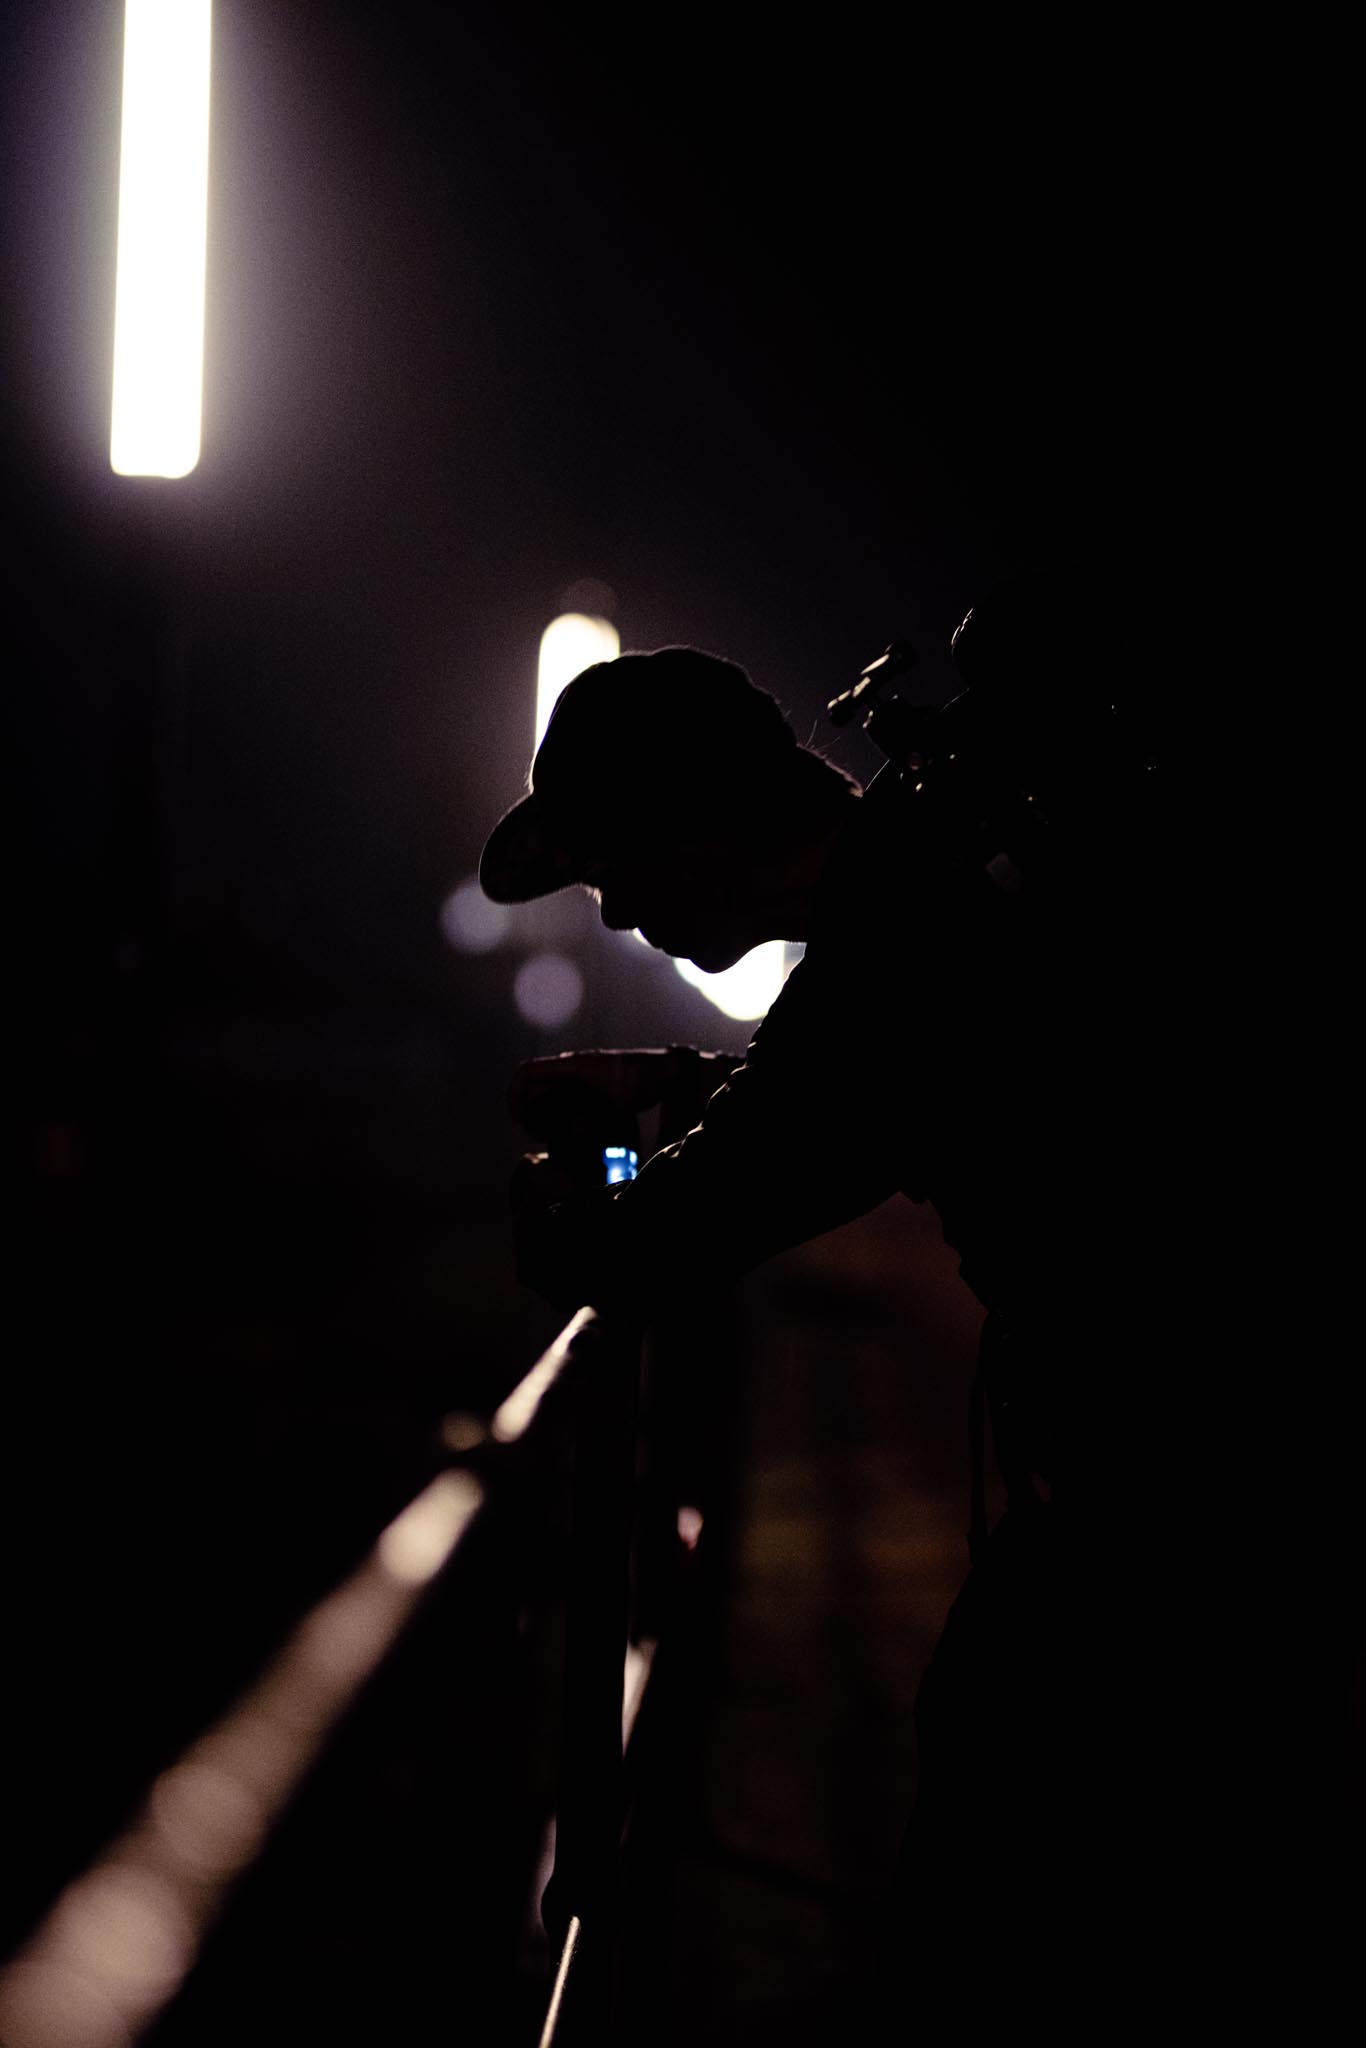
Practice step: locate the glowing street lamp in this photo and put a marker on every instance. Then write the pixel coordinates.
(163, 216)
(569, 644)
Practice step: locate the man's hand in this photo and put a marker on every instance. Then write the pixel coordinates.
(571, 1105)
(676, 1079)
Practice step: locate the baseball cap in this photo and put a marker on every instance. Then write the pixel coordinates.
(638, 751)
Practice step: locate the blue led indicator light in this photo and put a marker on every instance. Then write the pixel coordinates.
(621, 1163)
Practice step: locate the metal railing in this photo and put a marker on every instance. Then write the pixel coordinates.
(121, 1941)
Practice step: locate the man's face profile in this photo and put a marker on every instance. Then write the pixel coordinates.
(684, 901)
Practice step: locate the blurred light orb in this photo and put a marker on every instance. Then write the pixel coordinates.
(548, 990)
(569, 644)
(749, 988)
(209, 1818)
(125, 1928)
(49, 2003)
(470, 922)
(417, 1543)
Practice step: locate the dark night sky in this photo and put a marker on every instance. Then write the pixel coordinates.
(796, 342)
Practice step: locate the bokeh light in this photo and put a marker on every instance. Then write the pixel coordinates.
(470, 922)
(548, 990)
(210, 1817)
(569, 644)
(128, 1930)
(416, 1545)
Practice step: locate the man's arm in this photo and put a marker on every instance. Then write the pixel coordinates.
(678, 1080)
(803, 1137)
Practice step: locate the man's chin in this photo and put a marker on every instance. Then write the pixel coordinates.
(714, 962)
(707, 959)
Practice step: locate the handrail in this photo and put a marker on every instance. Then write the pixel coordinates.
(517, 1415)
(580, 1903)
(122, 1938)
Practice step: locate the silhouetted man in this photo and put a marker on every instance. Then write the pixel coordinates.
(989, 1016)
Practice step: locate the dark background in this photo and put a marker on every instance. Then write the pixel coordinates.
(797, 333)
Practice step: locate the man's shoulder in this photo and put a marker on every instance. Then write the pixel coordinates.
(875, 857)
(897, 879)
(858, 947)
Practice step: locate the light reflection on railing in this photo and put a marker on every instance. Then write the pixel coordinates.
(120, 1941)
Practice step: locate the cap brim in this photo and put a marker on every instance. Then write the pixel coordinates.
(521, 860)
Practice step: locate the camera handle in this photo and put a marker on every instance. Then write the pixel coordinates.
(903, 732)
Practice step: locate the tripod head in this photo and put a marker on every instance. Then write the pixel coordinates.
(1033, 740)
(902, 731)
